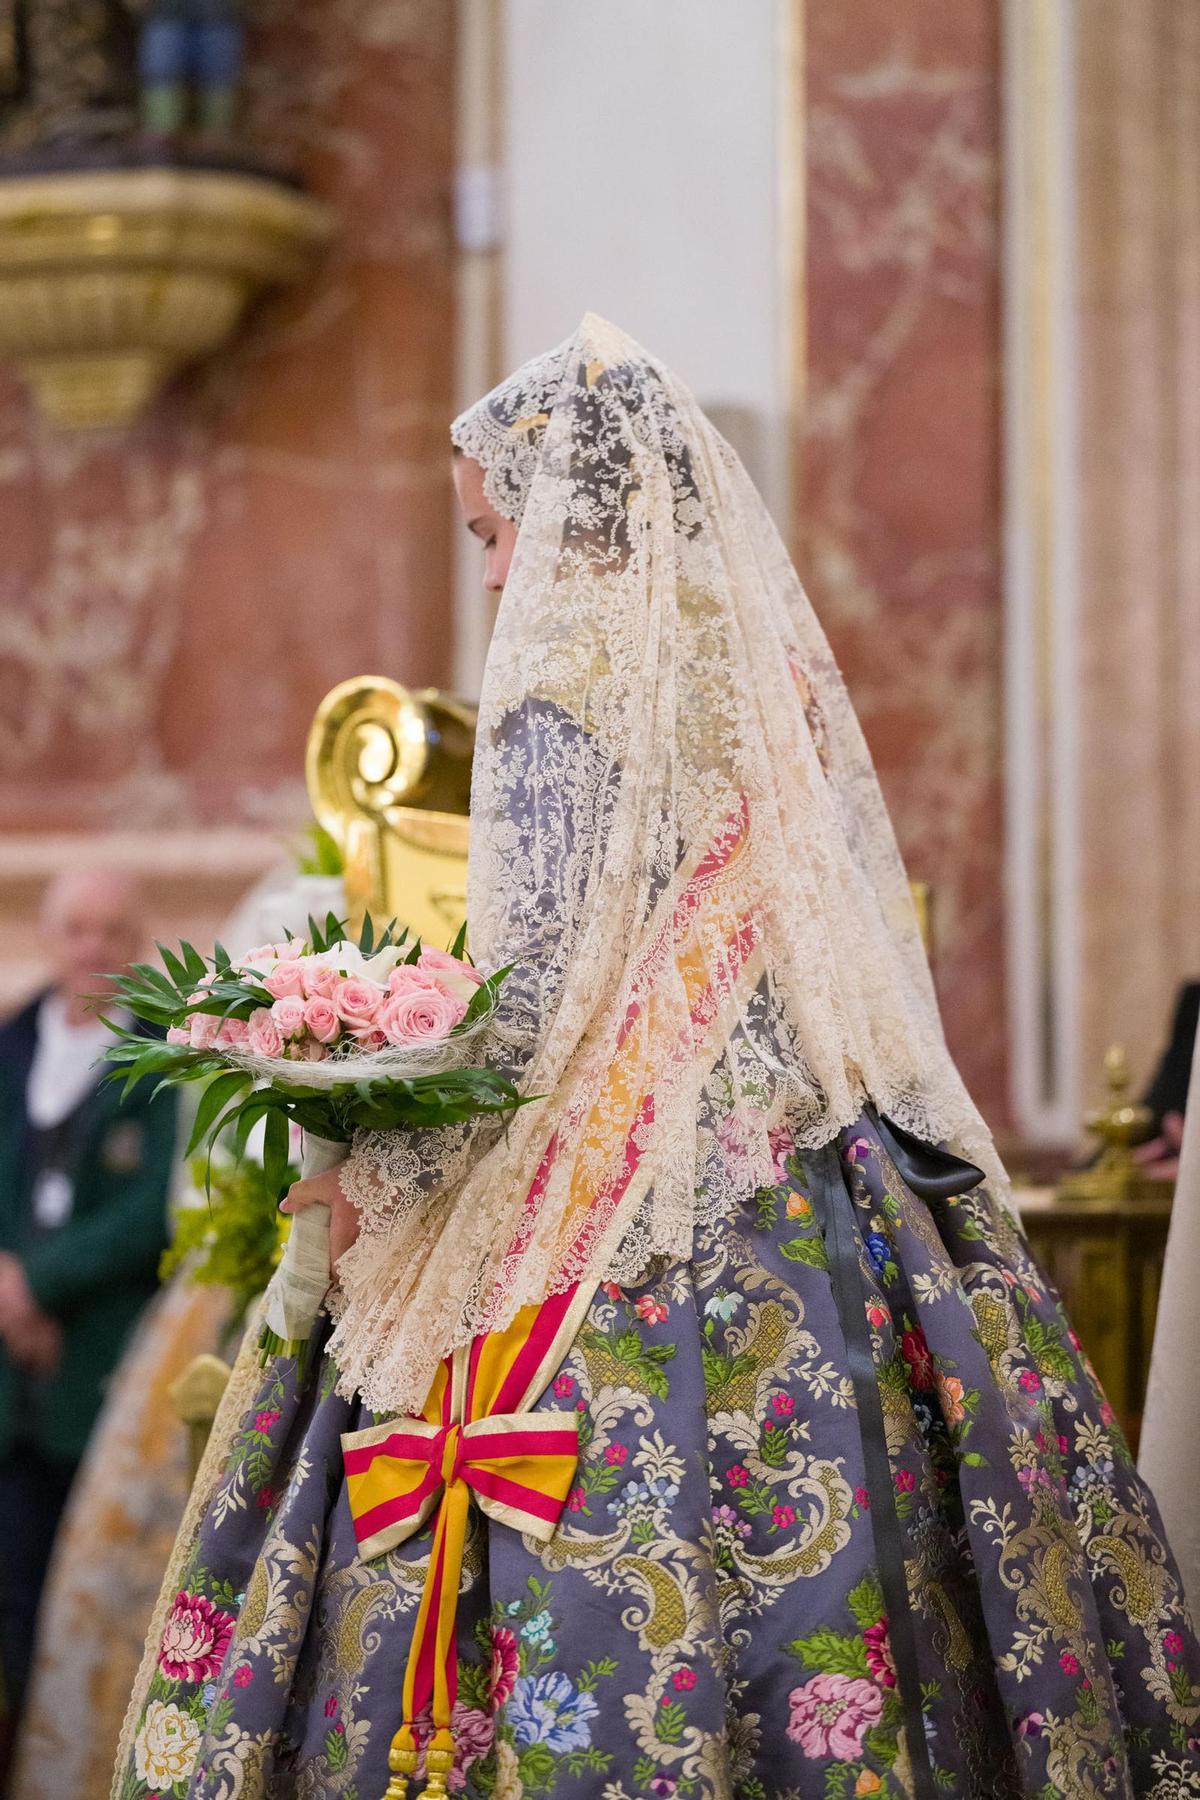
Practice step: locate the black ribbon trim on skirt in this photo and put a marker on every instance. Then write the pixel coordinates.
(930, 1171)
(838, 1226)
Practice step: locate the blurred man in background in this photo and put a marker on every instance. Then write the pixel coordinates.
(83, 1191)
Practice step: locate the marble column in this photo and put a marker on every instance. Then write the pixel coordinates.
(898, 506)
(1138, 110)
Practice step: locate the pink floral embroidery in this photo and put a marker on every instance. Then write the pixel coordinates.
(506, 1664)
(651, 1310)
(195, 1640)
(1068, 1664)
(263, 1421)
(738, 1476)
(831, 1714)
(1029, 1380)
(243, 1675)
(782, 1517)
(784, 1405)
(780, 1140)
(879, 1653)
(906, 1481)
(564, 1387)
(615, 1453)
(683, 1680)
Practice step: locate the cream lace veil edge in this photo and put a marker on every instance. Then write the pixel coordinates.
(679, 841)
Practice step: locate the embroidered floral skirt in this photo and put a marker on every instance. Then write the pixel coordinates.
(851, 1518)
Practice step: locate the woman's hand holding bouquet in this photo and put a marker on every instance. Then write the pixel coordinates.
(328, 1033)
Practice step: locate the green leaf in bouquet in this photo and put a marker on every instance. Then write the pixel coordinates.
(195, 964)
(252, 1109)
(484, 999)
(366, 937)
(213, 1101)
(150, 983)
(234, 998)
(174, 967)
(221, 957)
(414, 955)
(459, 946)
(275, 1149)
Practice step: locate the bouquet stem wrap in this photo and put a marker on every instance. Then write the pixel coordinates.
(302, 1280)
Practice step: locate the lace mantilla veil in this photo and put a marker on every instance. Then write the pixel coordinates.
(679, 841)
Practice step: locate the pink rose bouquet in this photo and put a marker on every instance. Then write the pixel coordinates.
(327, 1032)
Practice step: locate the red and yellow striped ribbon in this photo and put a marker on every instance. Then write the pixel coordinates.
(476, 1436)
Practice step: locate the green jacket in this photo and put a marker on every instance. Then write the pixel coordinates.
(96, 1271)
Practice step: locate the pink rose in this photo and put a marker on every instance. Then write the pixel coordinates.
(321, 1019)
(195, 1639)
(285, 981)
(458, 983)
(262, 1034)
(203, 1031)
(309, 1050)
(179, 1034)
(442, 959)
(368, 1038)
(288, 1014)
(419, 1016)
(831, 1715)
(293, 950)
(232, 1033)
(320, 979)
(356, 1003)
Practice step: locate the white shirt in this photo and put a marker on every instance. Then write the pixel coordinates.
(64, 1068)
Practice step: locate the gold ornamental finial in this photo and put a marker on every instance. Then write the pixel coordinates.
(1118, 1126)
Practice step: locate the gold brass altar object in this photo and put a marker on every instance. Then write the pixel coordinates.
(389, 778)
(1119, 1126)
(111, 281)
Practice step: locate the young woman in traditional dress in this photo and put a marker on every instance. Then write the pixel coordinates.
(710, 1431)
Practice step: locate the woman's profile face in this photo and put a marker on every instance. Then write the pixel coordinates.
(497, 534)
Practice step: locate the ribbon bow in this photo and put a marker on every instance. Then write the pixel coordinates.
(519, 1466)
(477, 1436)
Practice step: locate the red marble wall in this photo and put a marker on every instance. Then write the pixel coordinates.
(175, 601)
(900, 504)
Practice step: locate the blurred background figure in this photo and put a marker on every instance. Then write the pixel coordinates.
(83, 1187)
(1167, 1095)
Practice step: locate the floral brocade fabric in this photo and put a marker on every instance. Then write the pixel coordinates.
(712, 1616)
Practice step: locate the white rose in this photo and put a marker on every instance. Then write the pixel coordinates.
(166, 1746)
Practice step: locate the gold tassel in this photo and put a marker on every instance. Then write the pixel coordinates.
(402, 1762)
(439, 1760)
